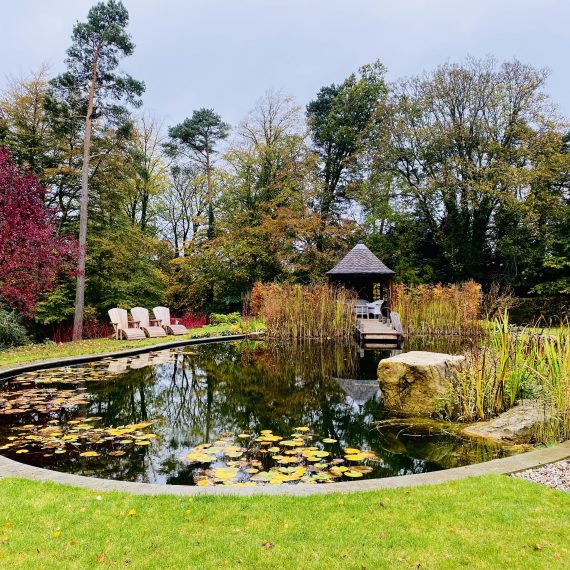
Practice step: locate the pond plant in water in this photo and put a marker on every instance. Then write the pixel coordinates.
(438, 309)
(304, 311)
(509, 365)
(249, 459)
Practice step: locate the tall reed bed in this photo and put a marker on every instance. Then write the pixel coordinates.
(553, 373)
(304, 311)
(438, 309)
(510, 365)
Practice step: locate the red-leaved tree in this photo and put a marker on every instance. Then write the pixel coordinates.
(31, 252)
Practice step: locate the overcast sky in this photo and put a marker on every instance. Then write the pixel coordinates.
(226, 53)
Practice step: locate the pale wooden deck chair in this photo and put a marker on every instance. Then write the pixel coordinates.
(151, 327)
(171, 326)
(123, 328)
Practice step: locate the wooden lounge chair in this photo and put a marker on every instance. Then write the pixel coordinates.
(151, 327)
(128, 330)
(171, 326)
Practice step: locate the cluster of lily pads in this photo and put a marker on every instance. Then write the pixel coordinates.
(92, 372)
(40, 400)
(78, 436)
(249, 459)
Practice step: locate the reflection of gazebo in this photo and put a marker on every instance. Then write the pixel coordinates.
(361, 270)
(359, 391)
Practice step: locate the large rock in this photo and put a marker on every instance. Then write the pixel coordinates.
(517, 425)
(412, 382)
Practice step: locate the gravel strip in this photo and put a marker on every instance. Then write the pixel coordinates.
(555, 475)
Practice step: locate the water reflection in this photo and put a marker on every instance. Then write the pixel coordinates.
(196, 394)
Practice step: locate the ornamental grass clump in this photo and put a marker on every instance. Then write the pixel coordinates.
(438, 309)
(304, 311)
(552, 370)
(497, 372)
(511, 365)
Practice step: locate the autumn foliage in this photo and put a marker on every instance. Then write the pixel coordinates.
(31, 252)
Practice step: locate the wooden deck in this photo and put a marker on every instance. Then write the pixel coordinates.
(375, 332)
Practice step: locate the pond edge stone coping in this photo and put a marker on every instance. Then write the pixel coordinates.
(11, 468)
(503, 466)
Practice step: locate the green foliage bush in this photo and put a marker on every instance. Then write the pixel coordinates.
(12, 332)
(221, 319)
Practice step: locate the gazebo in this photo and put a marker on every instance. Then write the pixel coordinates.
(360, 270)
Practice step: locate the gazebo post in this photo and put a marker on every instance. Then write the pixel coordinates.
(389, 281)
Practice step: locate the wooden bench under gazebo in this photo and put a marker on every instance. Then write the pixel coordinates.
(362, 272)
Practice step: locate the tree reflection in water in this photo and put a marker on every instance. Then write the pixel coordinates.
(197, 393)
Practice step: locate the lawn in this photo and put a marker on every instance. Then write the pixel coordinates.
(45, 351)
(487, 522)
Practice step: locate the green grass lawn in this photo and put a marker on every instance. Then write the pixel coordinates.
(46, 351)
(488, 522)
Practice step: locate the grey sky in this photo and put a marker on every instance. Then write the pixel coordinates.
(226, 53)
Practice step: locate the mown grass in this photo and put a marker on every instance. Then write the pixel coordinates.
(487, 522)
(50, 350)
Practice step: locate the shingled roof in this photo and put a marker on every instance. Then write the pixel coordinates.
(360, 261)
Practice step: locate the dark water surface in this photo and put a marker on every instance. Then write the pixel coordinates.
(199, 394)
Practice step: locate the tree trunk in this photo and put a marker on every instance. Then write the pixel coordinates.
(84, 202)
(210, 233)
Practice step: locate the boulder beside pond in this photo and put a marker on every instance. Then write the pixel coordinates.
(515, 426)
(412, 382)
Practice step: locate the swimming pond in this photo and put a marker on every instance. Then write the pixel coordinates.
(237, 412)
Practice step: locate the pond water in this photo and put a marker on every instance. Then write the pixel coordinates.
(234, 412)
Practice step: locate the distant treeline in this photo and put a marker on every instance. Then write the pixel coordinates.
(460, 173)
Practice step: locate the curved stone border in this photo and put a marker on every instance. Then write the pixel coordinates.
(7, 371)
(10, 468)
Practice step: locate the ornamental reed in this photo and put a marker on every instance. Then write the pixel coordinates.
(304, 311)
(439, 310)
